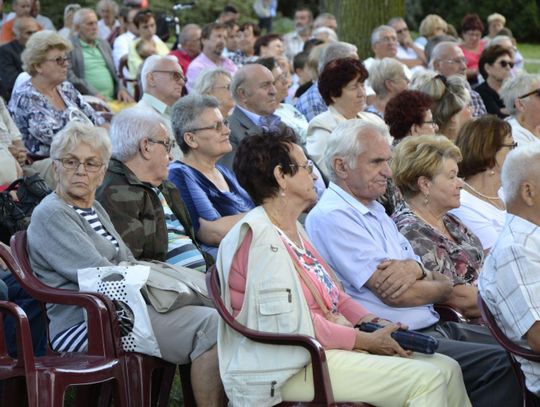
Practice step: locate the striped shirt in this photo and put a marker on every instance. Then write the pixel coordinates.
(90, 215)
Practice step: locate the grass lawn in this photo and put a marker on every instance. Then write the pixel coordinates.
(531, 53)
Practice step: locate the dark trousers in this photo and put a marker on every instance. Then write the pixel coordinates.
(486, 368)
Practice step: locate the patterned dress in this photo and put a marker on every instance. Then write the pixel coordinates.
(460, 260)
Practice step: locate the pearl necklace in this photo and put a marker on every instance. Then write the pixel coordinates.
(495, 199)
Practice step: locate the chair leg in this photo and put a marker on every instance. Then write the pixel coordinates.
(167, 378)
(187, 391)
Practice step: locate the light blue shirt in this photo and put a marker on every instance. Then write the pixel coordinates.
(354, 239)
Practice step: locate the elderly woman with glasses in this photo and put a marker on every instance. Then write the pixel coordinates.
(274, 280)
(214, 198)
(44, 104)
(217, 83)
(521, 97)
(70, 230)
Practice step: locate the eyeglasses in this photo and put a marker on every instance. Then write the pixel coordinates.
(533, 92)
(504, 64)
(510, 146)
(59, 60)
(308, 166)
(175, 75)
(388, 40)
(217, 126)
(169, 144)
(457, 61)
(73, 164)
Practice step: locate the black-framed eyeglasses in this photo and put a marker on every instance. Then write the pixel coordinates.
(533, 92)
(175, 75)
(504, 64)
(60, 61)
(73, 164)
(510, 146)
(168, 144)
(217, 126)
(308, 166)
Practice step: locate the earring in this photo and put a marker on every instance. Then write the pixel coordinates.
(426, 199)
(492, 173)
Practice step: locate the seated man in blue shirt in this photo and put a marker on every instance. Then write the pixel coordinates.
(378, 267)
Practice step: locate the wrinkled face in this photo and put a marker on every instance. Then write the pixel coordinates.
(147, 29)
(451, 62)
(258, 93)
(352, 95)
(444, 188)
(274, 49)
(210, 137)
(22, 8)
(386, 46)
(402, 32)
(215, 44)
(55, 67)
(168, 82)
(79, 185)
(27, 29)
(193, 45)
(427, 128)
(88, 30)
(501, 68)
(302, 18)
(222, 92)
(158, 156)
(281, 84)
(300, 186)
(530, 106)
(367, 181)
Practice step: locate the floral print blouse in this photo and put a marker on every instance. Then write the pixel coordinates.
(38, 120)
(460, 260)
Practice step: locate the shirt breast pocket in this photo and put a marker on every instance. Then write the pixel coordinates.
(276, 310)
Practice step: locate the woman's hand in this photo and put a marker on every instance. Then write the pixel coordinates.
(380, 342)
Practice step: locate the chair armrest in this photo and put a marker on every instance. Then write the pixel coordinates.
(24, 337)
(447, 313)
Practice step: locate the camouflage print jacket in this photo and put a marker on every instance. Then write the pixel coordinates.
(137, 214)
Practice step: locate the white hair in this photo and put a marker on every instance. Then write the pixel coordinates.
(132, 125)
(331, 34)
(515, 87)
(151, 63)
(499, 39)
(377, 32)
(79, 15)
(102, 3)
(520, 163)
(438, 50)
(384, 70)
(335, 50)
(77, 132)
(207, 79)
(347, 141)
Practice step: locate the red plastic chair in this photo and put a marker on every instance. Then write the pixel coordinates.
(447, 313)
(321, 379)
(48, 377)
(513, 350)
(148, 379)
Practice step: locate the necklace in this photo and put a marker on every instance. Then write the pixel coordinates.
(495, 199)
(441, 229)
(297, 241)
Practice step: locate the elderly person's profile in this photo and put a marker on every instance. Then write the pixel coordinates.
(70, 230)
(275, 281)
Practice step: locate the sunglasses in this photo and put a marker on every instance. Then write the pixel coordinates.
(533, 92)
(504, 64)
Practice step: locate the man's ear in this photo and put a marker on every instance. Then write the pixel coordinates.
(144, 148)
(340, 167)
(528, 193)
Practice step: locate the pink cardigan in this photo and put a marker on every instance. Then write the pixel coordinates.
(329, 334)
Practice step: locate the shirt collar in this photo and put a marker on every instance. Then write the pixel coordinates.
(157, 104)
(254, 117)
(84, 44)
(373, 206)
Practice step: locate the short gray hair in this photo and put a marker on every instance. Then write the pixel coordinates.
(515, 87)
(150, 65)
(331, 34)
(382, 71)
(517, 167)
(347, 141)
(19, 23)
(103, 3)
(335, 50)
(186, 33)
(499, 39)
(75, 133)
(185, 114)
(376, 33)
(439, 50)
(207, 79)
(237, 81)
(79, 15)
(130, 126)
(319, 21)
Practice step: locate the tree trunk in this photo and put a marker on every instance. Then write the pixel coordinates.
(358, 18)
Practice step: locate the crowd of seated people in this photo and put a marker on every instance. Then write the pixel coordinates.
(400, 164)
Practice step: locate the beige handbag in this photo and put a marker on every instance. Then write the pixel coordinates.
(170, 287)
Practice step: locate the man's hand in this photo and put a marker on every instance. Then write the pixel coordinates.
(395, 277)
(124, 96)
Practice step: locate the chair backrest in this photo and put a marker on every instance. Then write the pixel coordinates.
(321, 378)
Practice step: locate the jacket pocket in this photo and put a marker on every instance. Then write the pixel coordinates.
(276, 310)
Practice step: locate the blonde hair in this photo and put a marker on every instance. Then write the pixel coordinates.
(419, 156)
(450, 95)
(37, 47)
(430, 24)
